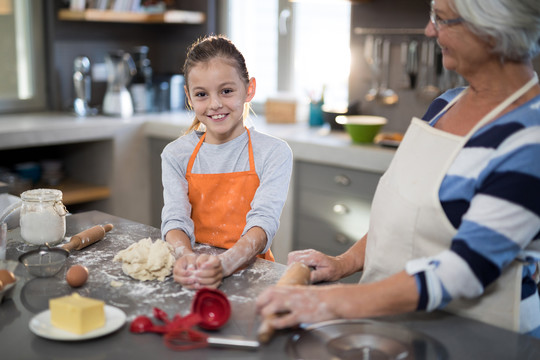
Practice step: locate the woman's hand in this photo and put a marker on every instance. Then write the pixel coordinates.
(198, 271)
(295, 305)
(396, 294)
(332, 268)
(325, 268)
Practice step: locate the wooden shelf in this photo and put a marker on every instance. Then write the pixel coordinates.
(170, 16)
(76, 192)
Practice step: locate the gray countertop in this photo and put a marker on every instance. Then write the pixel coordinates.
(461, 338)
(311, 144)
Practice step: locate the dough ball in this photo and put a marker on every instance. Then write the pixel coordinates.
(147, 260)
(77, 275)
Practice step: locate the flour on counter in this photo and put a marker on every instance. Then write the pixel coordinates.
(140, 297)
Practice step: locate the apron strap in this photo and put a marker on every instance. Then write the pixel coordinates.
(251, 156)
(509, 100)
(194, 154)
(493, 113)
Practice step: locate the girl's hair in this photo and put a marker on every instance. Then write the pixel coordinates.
(211, 47)
(512, 25)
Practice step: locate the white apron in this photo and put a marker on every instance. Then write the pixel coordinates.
(408, 222)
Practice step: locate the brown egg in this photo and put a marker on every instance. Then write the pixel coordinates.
(1, 285)
(6, 277)
(77, 275)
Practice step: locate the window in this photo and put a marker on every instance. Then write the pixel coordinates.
(22, 71)
(296, 47)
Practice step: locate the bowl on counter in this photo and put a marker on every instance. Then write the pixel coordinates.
(362, 128)
(330, 113)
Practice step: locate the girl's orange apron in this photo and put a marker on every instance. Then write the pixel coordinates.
(220, 202)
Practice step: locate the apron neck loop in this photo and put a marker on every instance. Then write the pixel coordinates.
(199, 144)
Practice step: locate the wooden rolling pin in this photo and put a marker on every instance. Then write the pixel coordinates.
(296, 274)
(87, 237)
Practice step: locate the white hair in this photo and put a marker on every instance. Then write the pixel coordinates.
(513, 26)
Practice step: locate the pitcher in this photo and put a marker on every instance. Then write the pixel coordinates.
(120, 69)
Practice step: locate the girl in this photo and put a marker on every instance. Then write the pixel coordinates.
(224, 184)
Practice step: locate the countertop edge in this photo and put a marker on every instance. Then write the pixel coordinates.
(319, 145)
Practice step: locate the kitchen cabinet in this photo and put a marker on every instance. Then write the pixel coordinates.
(85, 167)
(332, 206)
(156, 186)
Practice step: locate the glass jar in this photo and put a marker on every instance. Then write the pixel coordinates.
(42, 217)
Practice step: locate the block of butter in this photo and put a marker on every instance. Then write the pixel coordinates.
(77, 314)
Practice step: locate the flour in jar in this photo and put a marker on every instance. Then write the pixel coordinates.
(45, 226)
(147, 260)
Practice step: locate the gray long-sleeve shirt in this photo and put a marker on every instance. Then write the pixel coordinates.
(273, 164)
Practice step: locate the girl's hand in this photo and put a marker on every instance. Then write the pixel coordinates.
(198, 271)
(295, 305)
(209, 272)
(325, 268)
(183, 271)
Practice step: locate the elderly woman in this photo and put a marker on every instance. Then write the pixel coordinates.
(456, 213)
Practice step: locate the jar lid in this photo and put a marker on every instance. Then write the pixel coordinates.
(42, 195)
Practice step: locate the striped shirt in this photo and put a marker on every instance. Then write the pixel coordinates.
(491, 195)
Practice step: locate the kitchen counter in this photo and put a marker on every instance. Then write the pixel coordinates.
(460, 338)
(311, 144)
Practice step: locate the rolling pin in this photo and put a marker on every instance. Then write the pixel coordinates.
(87, 237)
(296, 274)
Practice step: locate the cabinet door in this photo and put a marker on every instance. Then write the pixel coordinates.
(332, 207)
(344, 215)
(356, 183)
(321, 236)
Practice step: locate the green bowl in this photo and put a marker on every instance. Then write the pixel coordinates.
(362, 128)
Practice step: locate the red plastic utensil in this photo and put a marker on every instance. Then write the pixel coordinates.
(212, 307)
(142, 324)
(161, 315)
(210, 310)
(185, 339)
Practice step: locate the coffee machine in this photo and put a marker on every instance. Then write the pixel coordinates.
(120, 70)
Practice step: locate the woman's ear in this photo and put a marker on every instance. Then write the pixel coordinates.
(187, 96)
(251, 89)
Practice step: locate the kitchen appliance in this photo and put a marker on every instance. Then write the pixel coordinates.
(82, 83)
(168, 90)
(429, 89)
(363, 339)
(387, 96)
(120, 70)
(373, 57)
(141, 84)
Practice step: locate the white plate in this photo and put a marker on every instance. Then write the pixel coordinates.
(41, 326)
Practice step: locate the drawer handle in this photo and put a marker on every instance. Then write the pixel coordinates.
(342, 180)
(342, 239)
(340, 209)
